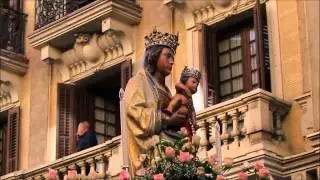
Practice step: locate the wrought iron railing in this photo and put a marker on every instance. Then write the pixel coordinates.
(12, 27)
(48, 11)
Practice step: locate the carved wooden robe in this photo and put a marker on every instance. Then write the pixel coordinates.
(144, 101)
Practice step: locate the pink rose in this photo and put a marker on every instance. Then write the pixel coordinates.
(72, 174)
(212, 159)
(228, 162)
(185, 156)
(220, 177)
(259, 165)
(243, 176)
(124, 175)
(170, 152)
(264, 172)
(184, 131)
(158, 177)
(52, 174)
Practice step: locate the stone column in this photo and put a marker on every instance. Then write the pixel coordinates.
(91, 162)
(243, 131)
(63, 171)
(235, 125)
(107, 156)
(101, 166)
(82, 165)
(212, 121)
(202, 152)
(225, 135)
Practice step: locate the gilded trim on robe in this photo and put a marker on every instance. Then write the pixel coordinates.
(143, 100)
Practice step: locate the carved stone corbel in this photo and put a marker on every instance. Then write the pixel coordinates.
(8, 95)
(5, 96)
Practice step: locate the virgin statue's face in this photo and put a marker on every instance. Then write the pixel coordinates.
(165, 61)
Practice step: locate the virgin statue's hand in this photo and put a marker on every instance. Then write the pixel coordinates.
(176, 120)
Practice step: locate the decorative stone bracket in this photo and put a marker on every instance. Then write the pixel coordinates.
(5, 97)
(8, 95)
(215, 11)
(93, 50)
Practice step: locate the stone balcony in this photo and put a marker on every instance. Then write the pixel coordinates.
(57, 23)
(105, 159)
(249, 126)
(95, 36)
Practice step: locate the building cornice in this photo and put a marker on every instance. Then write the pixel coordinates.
(279, 166)
(13, 62)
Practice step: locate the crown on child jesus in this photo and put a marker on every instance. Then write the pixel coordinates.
(159, 38)
(190, 72)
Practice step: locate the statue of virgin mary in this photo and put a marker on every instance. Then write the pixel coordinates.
(146, 96)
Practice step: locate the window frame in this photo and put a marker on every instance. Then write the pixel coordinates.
(243, 22)
(105, 122)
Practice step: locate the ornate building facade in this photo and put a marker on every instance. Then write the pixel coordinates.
(64, 61)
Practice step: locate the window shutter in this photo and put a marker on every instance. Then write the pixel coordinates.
(126, 73)
(12, 157)
(257, 17)
(66, 120)
(212, 68)
(266, 57)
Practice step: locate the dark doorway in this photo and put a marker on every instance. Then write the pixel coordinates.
(94, 99)
(97, 101)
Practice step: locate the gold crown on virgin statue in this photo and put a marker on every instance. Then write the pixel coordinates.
(190, 72)
(159, 38)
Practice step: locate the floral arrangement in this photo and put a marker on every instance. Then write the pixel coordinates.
(257, 170)
(178, 161)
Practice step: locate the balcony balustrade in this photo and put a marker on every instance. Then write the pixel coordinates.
(97, 158)
(249, 123)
